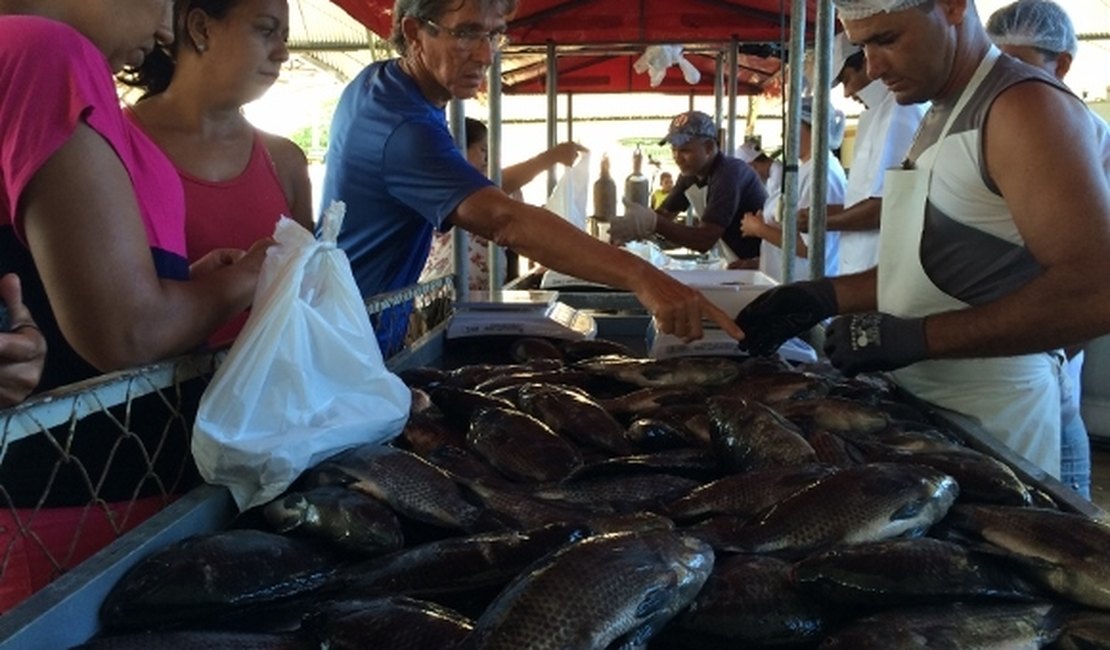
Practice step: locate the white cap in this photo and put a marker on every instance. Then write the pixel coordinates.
(843, 49)
(858, 9)
(1036, 23)
(837, 122)
(748, 151)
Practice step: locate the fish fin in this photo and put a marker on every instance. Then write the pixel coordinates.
(908, 511)
(653, 600)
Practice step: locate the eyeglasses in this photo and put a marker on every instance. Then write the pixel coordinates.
(468, 39)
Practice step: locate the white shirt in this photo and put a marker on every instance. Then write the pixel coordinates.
(884, 134)
(770, 256)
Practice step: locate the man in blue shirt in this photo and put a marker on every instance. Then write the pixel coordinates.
(392, 160)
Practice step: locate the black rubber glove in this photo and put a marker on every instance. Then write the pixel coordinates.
(784, 312)
(874, 341)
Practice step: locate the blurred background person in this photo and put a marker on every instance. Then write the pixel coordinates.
(441, 257)
(768, 226)
(238, 180)
(22, 346)
(666, 184)
(884, 132)
(1040, 33)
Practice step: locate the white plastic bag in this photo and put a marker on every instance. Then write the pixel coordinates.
(303, 380)
(568, 199)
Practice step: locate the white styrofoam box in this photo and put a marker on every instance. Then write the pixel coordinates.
(731, 291)
(715, 343)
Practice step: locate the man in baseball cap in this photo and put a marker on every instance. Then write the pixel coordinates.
(718, 188)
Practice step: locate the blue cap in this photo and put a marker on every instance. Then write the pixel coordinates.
(687, 126)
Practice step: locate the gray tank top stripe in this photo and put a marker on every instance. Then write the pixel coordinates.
(969, 264)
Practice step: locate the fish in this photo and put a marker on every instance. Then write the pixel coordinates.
(622, 494)
(644, 399)
(749, 599)
(776, 386)
(412, 486)
(572, 414)
(1085, 630)
(750, 436)
(692, 418)
(453, 564)
(422, 377)
(349, 519)
(520, 446)
(676, 371)
(589, 348)
(909, 572)
(1066, 553)
(210, 576)
(746, 494)
(697, 464)
(460, 404)
(858, 504)
(956, 626)
(982, 479)
(200, 640)
(842, 416)
(652, 434)
(530, 348)
(397, 623)
(424, 433)
(620, 587)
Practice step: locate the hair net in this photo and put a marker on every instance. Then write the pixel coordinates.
(837, 122)
(857, 9)
(1037, 23)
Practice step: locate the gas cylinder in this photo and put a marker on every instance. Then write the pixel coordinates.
(605, 193)
(637, 187)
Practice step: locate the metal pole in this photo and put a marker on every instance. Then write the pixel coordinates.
(457, 118)
(552, 108)
(496, 265)
(796, 58)
(818, 206)
(719, 89)
(733, 66)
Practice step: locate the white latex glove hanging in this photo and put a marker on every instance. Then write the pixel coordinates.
(637, 223)
(657, 58)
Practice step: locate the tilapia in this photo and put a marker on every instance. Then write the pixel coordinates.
(209, 576)
(651, 434)
(909, 572)
(622, 586)
(411, 485)
(1085, 630)
(1067, 553)
(520, 446)
(590, 348)
(841, 416)
(746, 494)
(751, 436)
(200, 640)
(749, 599)
(460, 404)
(349, 519)
(397, 623)
(621, 494)
(423, 433)
(982, 478)
(530, 348)
(959, 626)
(698, 464)
(454, 564)
(574, 415)
(777, 386)
(559, 376)
(676, 371)
(858, 504)
(645, 399)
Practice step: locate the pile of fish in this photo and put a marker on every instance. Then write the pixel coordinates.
(585, 498)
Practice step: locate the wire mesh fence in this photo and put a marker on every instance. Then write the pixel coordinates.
(83, 464)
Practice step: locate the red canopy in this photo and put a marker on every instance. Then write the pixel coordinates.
(638, 22)
(585, 32)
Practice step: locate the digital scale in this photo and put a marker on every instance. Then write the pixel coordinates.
(519, 313)
(715, 343)
(555, 280)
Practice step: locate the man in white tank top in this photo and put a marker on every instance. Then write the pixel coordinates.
(985, 271)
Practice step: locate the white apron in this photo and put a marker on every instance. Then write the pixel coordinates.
(1015, 399)
(697, 196)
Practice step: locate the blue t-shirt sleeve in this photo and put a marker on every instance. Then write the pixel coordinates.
(424, 170)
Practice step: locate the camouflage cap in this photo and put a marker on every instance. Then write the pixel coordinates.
(687, 126)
